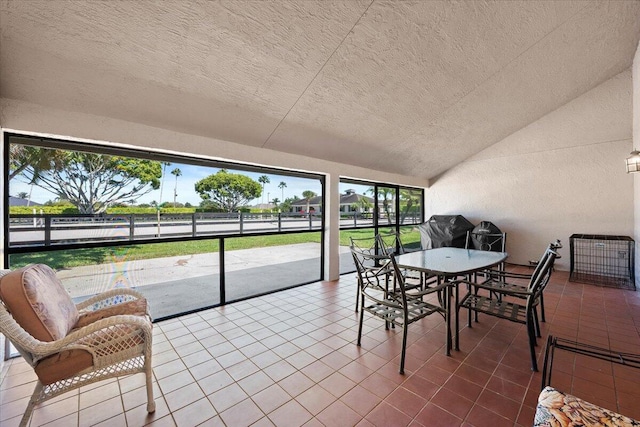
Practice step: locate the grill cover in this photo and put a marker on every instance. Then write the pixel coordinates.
(478, 241)
(444, 231)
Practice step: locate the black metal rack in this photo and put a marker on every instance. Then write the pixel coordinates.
(603, 260)
(553, 343)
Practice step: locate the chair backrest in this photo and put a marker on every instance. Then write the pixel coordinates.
(542, 273)
(373, 275)
(390, 243)
(552, 248)
(494, 242)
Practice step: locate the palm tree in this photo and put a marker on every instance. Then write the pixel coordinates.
(164, 168)
(282, 185)
(308, 194)
(177, 172)
(264, 179)
(275, 201)
(23, 195)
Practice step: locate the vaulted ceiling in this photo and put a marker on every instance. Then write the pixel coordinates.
(405, 87)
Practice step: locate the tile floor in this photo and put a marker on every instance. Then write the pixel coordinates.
(290, 359)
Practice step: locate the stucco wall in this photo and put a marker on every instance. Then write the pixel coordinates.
(636, 143)
(562, 174)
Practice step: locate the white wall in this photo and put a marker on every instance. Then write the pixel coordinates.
(636, 143)
(562, 174)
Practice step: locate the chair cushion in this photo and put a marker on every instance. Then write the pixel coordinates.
(38, 302)
(136, 307)
(62, 365)
(557, 409)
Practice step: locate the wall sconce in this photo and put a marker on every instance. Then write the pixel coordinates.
(633, 162)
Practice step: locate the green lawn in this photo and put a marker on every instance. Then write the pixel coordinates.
(67, 259)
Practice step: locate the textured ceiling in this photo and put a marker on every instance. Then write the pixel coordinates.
(404, 87)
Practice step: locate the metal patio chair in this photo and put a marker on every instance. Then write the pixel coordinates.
(397, 308)
(511, 304)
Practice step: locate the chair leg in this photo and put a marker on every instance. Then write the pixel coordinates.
(361, 320)
(404, 347)
(532, 342)
(536, 323)
(31, 405)
(542, 307)
(151, 403)
(357, 295)
(447, 307)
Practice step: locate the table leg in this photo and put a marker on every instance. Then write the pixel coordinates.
(457, 285)
(448, 302)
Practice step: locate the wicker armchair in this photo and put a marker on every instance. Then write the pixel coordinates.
(72, 345)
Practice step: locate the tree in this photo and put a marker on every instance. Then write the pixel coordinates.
(281, 186)
(228, 190)
(94, 182)
(23, 195)
(387, 198)
(308, 195)
(362, 205)
(37, 159)
(409, 197)
(177, 172)
(286, 205)
(275, 201)
(164, 168)
(264, 179)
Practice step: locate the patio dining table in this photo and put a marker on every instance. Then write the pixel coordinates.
(450, 263)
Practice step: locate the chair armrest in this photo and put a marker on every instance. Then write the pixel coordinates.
(428, 291)
(96, 336)
(507, 274)
(509, 292)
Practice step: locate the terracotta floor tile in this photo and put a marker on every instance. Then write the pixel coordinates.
(315, 399)
(271, 398)
(256, 382)
(452, 402)
(101, 411)
(215, 382)
(242, 414)
(227, 397)
(506, 388)
(464, 388)
(296, 383)
(291, 414)
(432, 415)
(317, 371)
(355, 371)
(338, 415)
(379, 385)
(360, 400)
(139, 416)
(183, 396)
(501, 405)
(196, 413)
(386, 415)
(482, 417)
(406, 401)
(337, 384)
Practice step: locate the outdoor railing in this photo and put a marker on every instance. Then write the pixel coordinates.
(49, 230)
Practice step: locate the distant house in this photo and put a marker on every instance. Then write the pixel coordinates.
(350, 201)
(17, 201)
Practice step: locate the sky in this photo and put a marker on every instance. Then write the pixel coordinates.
(185, 186)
